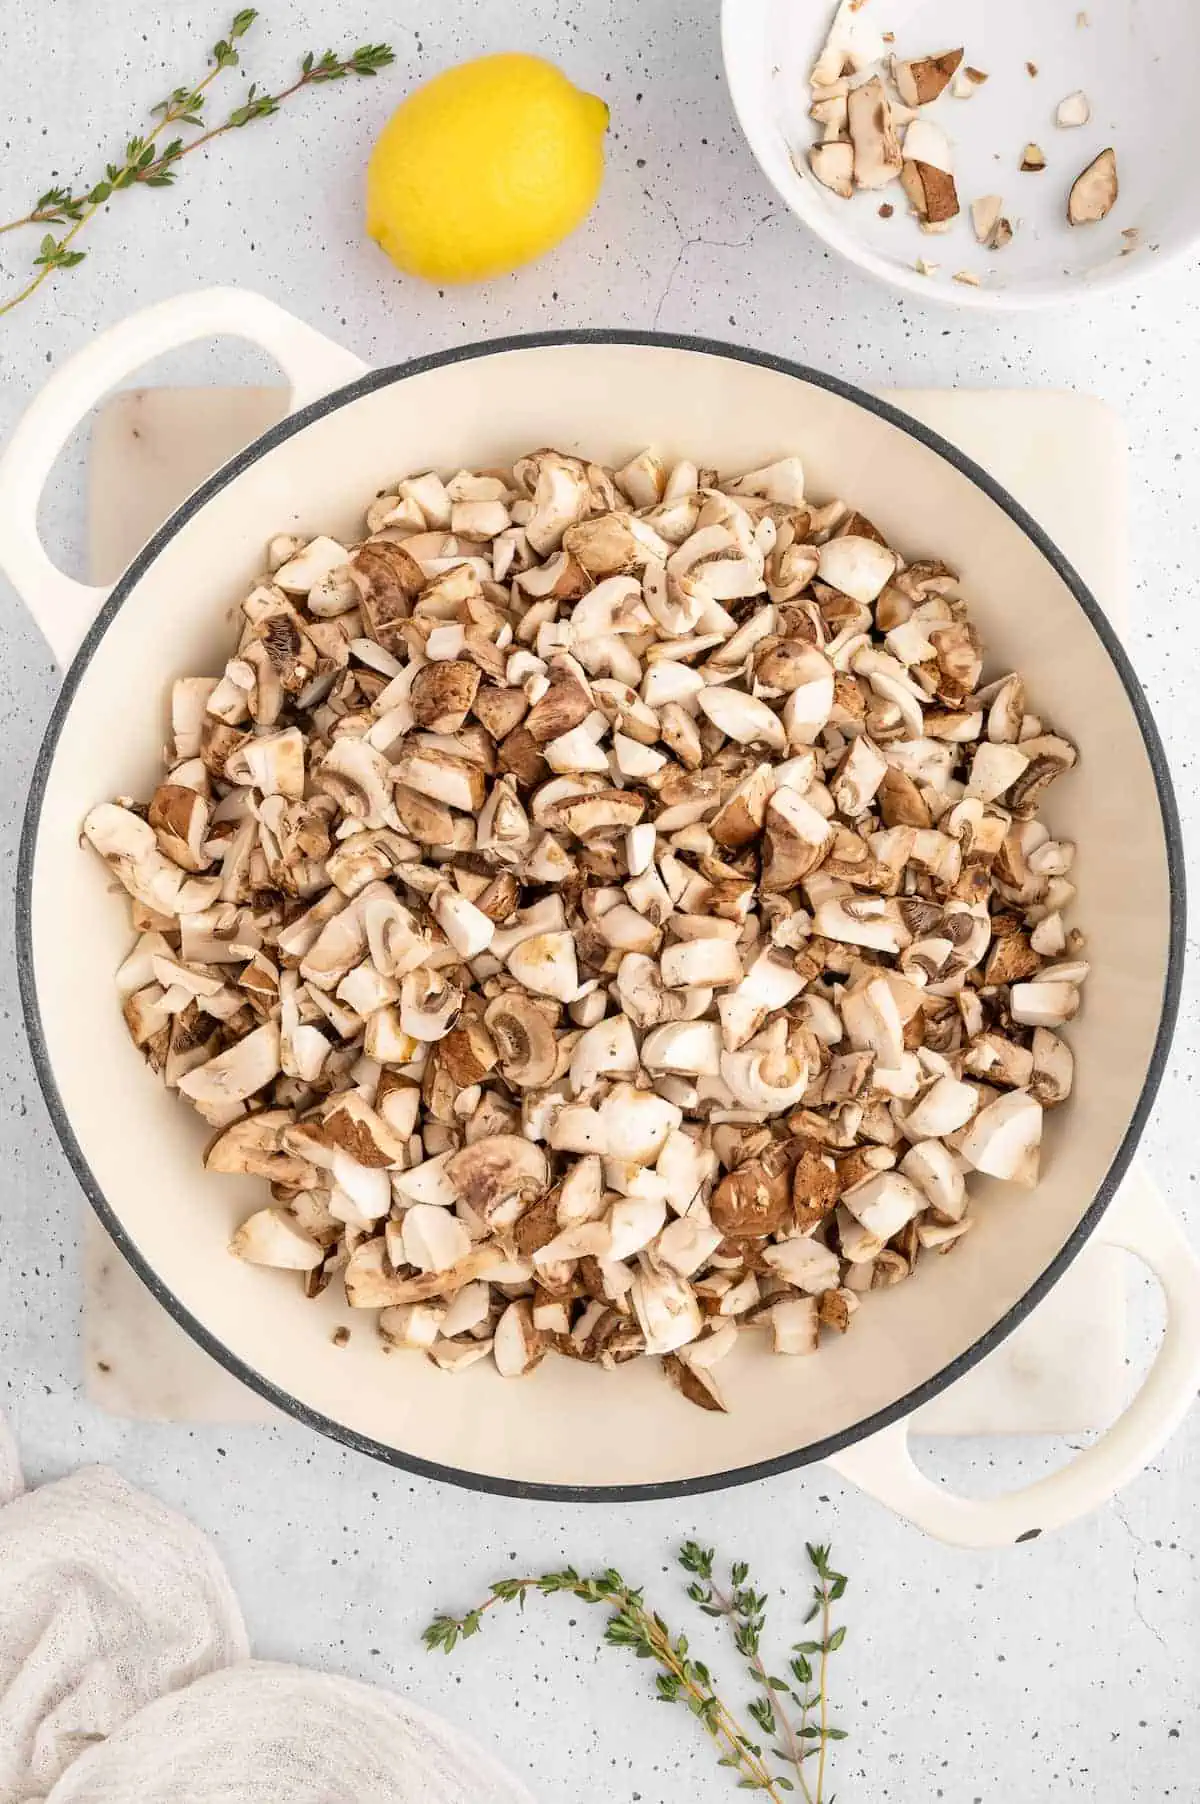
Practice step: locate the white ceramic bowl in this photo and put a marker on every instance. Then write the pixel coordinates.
(571, 1431)
(1135, 63)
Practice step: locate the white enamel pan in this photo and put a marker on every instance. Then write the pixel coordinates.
(570, 1432)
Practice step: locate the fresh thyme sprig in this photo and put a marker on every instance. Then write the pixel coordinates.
(149, 163)
(684, 1679)
(772, 1708)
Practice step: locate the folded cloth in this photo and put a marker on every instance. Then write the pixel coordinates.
(125, 1675)
(282, 1735)
(107, 1600)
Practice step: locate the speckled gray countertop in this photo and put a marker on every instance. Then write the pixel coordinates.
(1067, 1667)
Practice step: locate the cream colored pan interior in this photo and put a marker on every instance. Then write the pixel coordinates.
(135, 1146)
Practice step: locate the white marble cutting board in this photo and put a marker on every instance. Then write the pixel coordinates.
(1063, 457)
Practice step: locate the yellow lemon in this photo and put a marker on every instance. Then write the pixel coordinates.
(484, 168)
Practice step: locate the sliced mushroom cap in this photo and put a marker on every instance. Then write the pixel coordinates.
(434, 1239)
(525, 1039)
(1004, 1138)
(606, 1048)
(517, 1346)
(856, 566)
(502, 1169)
(921, 79)
(666, 1309)
(1094, 191)
(273, 1237)
(795, 1325)
(690, 1047)
(884, 1203)
(179, 817)
(237, 1073)
(808, 1264)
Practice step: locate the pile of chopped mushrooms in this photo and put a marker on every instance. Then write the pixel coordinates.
(609, 909)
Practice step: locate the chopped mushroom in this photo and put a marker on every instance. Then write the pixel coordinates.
(922, 79)
(608, 907)
(1094, 191)
(1073, 109)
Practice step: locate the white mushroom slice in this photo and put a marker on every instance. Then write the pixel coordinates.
(607, 1047)
(853, 42)
(832, 163)
(765, 1082)
(859, 1246)
(468, 930)
(633, 759)
(690, 1047)
(857, 567)
(1094, 191)
(797, 837)
(303, 571)
(427, 1182)
(685, 1245)
(883, 1204)
(768, 985)
(368, 1188)
(1053, 1068)
(581, 1193)
(469, 1309)
(1043, 1004)
(666, 1309)
(1074, 109)
(862, 921)
(668, 681)
(639, 847)
(434, 1239)
(877, 158)
(1004, 1138)
(443, 777)
(628, 929)
(742, 717)
(237, 1073)
(575, 751)
(936, 1172)
(517, 1346)
(926, 142)
(807, 1264)
(945, 1107)
(273, 1237)
(580, 1240)
(706, 961)
(429, 1007)
(576, 1128)
(795, 1325)
(633, 1222)
(364, 990)
(994, 769)
(643, 479)
(636, 1124)
(416, 1326)
(872, 1020)
(781, 482)
(858, 777)
(545, 964)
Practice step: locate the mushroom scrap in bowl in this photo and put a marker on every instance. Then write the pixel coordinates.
(609, 910)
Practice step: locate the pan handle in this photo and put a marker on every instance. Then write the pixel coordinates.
(61, 607)
(1140, 1222)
